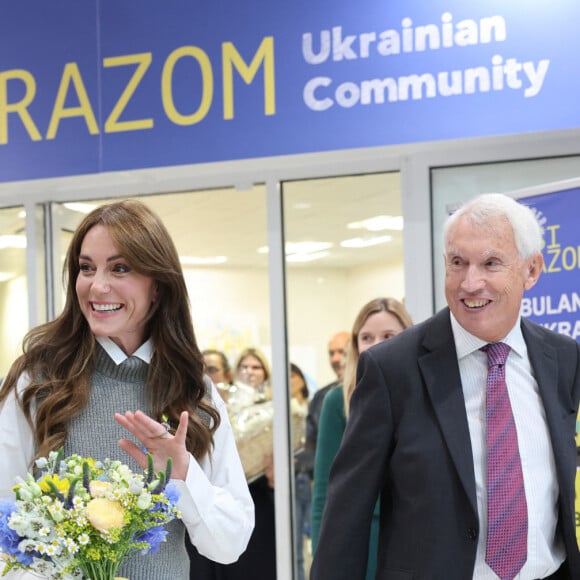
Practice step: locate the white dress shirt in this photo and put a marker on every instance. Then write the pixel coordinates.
(215, 502)
(545, 551)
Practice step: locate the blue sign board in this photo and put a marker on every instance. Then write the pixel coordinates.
(106, 85)
(554, 301)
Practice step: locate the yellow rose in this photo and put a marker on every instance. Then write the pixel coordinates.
(99, 488)
(105, 514)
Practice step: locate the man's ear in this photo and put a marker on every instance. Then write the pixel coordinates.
(534, 267)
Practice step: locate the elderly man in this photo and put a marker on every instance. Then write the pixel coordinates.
(464, 426)
(336, 356)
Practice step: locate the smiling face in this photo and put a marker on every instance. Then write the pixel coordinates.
(485, 277)
(113, 298)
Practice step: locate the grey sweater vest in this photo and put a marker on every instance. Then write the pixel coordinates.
(95, 433)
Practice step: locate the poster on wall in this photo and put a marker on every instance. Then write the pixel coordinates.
(554, 302)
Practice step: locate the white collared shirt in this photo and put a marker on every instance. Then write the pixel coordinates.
(545, 554)
(116, 354)
(215, 502)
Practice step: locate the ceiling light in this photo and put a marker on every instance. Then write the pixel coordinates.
(307, 247)
(80, 207)
(301, 247)
(310, 257)
(12, 241)
(199, 261)
(378, 223)
(365, 242)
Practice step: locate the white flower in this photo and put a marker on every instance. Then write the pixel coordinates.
(44, 531)
(136, 485)
(40, 548)
(144, 501)
(42, 463)
(83, 539)
(24, 494)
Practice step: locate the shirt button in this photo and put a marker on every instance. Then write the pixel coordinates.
(472, 533)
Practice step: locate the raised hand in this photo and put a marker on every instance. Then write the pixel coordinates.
(157, 440)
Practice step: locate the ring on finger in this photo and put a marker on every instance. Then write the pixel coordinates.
(165, 433)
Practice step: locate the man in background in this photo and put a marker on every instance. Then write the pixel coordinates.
(336, 356)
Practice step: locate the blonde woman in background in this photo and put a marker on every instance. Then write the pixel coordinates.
(378, 320)
(253, 370)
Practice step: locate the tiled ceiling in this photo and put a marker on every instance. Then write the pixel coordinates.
(231, 223)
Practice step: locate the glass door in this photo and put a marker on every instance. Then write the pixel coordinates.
(344, 247)
(17, 246)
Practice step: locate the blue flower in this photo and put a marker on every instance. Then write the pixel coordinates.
(172, 493)
(9, 539)
(154, 537)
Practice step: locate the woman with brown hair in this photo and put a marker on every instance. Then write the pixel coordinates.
(378, 320)
(217, 367)
(122, 357)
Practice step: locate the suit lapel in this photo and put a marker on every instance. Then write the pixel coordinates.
(544, 362)
(443, 383)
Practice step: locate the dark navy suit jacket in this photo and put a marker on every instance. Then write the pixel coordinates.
(407, 439)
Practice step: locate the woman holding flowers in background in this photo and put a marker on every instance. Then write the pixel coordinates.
(253, 370)
(119, 374)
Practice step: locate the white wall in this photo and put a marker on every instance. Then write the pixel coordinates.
(231, 309)
(13, 320)
(368, 282)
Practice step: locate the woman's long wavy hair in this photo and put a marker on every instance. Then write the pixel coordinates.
(59, 356)
(390, 305)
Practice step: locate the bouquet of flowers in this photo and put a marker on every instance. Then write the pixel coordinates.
(82, 517)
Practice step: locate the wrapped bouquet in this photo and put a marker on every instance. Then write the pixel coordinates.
(81, 518)
(252, 416)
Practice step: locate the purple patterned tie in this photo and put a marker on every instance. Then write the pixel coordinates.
(507, 512)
